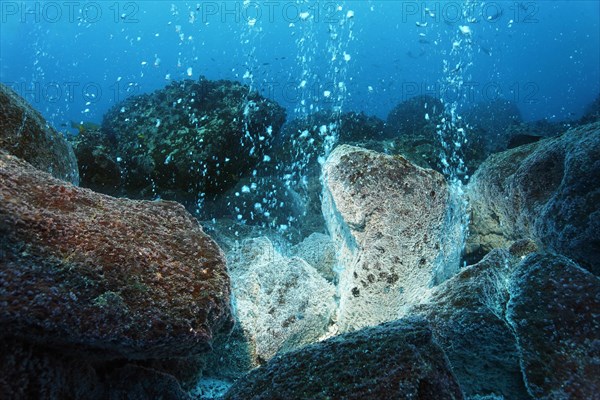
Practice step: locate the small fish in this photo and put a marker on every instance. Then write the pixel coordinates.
(485, 50)
(496, 15)
(84, 126)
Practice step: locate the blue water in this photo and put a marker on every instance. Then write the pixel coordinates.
(74, 60)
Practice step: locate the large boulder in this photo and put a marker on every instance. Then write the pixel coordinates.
(467, 317)
(553, 308)
(398, 360)
(320, 252)
(414, 116)
(387, 218)
(25, 134)
(103, 280)
(547, 191)
(186, 140)
(29, 371)
(281, 303)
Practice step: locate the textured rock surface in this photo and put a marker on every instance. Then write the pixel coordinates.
(467, 317)
(34, 372)
(281, 303)
(385, 216)
(547, 191)
(190, 138)
(320, 252)
(25, 133)
(554, 309)
(120, 277)
(98, 166)
(397, 360)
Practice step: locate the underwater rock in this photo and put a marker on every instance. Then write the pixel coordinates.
(386, 217)
(547, 191)
(591, 113)
(467, 317)
(25, 134)
(397, 360)
(270, 205)
(280, 303)
(28, 371)
(413, 128)
(105, 278)
(300, 151)
(190, 138)
(553, 308)
(98, 163)
(414, 116)
(489, 122)
(320, 252)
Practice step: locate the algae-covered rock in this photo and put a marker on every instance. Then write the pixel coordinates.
(547, 191)
(132, 279)
(397, 360)
(387, 218)
(467, 318)
(99, 168)
(25, 134)
(414, 116)
(189, 139)
(414, 127)
(553, 308)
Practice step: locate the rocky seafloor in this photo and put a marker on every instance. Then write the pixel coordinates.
(196, 245)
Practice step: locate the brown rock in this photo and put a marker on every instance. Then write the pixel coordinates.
(113, 277)
(397, 360)
(25, 133)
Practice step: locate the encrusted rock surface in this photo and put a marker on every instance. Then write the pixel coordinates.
(547, 191)
(102, 280)
(25, 133)
(554, 309)
(188, 139)
(397, 360)
(128, 278)
(386, 217)
(467, 317)
(281, 303)
(320, 252)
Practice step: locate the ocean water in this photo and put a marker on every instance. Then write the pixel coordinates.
(74, 60)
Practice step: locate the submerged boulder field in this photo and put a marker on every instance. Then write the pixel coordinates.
(104, 281)
(104, 297)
